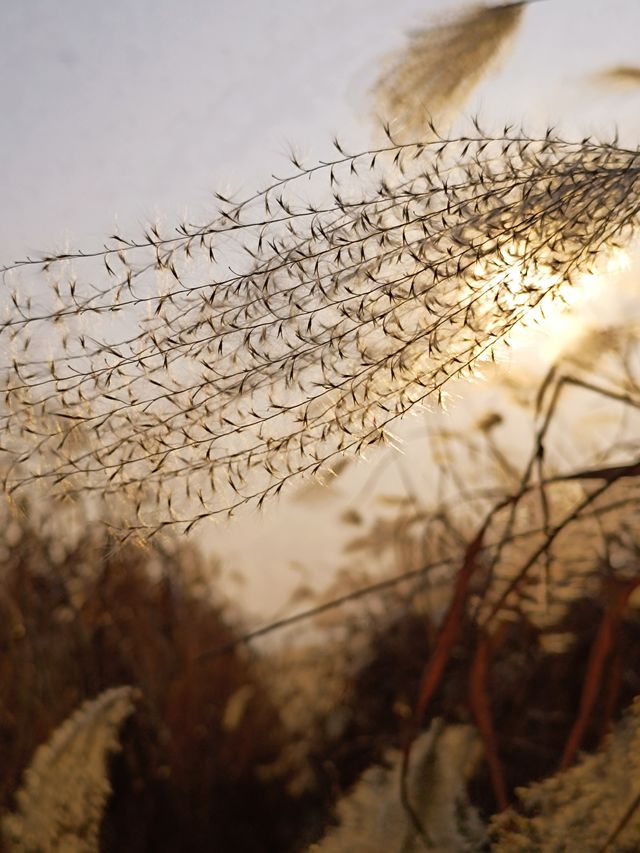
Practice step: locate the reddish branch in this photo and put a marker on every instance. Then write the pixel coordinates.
(602, 647)
(435, 667)
(480, 705)
(450, 630)
(612, 690)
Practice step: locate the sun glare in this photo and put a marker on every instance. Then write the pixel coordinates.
(564, 311)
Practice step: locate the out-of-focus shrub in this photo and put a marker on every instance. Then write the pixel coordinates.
(78, 619)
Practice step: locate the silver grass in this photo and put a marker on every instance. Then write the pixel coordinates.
(587, 809)
(193, 371)
(436, 71)
(621, 75)
(66, 787)
(372, 818)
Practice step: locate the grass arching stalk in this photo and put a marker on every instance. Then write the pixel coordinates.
(288, 333)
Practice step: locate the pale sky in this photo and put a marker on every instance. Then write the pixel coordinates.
(133, 110)
(121, 112)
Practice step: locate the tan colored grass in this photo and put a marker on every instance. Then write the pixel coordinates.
(439, 66)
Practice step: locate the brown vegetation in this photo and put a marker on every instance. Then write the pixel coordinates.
(98, 615)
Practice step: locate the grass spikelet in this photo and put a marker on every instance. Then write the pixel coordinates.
(621, 76)
(372, 818)
(438, 68)
(593, 806)
(66, 787)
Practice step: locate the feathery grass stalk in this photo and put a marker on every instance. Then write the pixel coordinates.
(67, 785)
(289, 333)
(439, 67)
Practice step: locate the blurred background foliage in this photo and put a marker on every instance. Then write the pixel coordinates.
(250, 745)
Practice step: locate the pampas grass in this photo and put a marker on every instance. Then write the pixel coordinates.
(592, 808)
(79, 619)
(433, 74)
(627, 76)
(66, 787)
(372, 818)
(340, 316)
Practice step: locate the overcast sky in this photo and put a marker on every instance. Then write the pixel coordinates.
(131, 110)
(125, 111)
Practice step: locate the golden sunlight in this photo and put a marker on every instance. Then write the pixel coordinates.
(563, 313)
